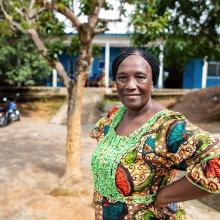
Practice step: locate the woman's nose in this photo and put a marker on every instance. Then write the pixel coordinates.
(131, 84)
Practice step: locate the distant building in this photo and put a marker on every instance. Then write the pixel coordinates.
(198, 73)
(111, 45)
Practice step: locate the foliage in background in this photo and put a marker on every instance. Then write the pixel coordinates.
(20, 62)
(192, 30)
(149, 23)
(51, 31)
(17, 65)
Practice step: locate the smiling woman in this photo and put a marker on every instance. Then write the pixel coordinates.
(134, 81)
(141, 145)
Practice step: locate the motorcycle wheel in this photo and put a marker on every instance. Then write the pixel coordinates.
(3, 121)
(17, 115)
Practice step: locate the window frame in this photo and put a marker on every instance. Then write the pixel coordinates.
(217, 69)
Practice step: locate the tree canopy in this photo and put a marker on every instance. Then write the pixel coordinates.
(17, 65)
(191, 30)
(20, 61)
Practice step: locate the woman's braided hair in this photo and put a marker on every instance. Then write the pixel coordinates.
(154, 64)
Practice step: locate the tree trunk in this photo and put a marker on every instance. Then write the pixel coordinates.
(73, 141)
(75, 96)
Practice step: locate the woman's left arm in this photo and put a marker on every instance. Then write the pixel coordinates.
(178, 191)
(193, 150)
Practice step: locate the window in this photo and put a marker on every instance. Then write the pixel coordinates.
(214, 69)
(101, 65)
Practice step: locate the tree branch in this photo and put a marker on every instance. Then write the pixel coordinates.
(105, 20)
(18, 10)
(100, 30)
(44, 52)
(10, 20)
(31, 4)
(65, 11)
(35, 14)
(71, 16)
(94, 19)
(37, 41)
(121, 7)
(94, 16)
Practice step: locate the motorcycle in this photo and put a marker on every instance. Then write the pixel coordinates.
(9, 112)
(3, 119)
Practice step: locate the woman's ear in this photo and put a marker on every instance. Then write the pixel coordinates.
(152, 89)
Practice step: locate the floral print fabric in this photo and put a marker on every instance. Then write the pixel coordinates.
(171, 143)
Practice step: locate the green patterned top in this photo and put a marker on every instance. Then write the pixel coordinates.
(129, 170)
(108, 154)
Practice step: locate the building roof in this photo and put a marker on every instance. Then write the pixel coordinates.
(114, 40)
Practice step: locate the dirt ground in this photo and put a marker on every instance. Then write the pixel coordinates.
(32, 161)
(201, 106)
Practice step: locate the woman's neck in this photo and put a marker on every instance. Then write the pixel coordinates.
(146, 109)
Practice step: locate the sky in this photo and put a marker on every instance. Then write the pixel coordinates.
(114, 27)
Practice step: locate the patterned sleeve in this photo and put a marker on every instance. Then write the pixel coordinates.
(191, 149)
(103, 125)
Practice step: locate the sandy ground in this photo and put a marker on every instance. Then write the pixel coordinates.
(31, 163)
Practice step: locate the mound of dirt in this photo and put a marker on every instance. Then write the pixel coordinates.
(200, 106)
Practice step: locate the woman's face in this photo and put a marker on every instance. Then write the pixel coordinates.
(134, 82)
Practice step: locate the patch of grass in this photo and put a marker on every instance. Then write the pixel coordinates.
(45, 108)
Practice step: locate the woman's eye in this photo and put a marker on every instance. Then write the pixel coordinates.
(141, 78)
(121, 78)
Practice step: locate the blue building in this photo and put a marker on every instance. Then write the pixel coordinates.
(111, 45)
(198, 73)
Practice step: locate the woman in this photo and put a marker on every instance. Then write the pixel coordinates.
(140, 147)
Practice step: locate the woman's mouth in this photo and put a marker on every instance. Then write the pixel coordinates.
(131, 94)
